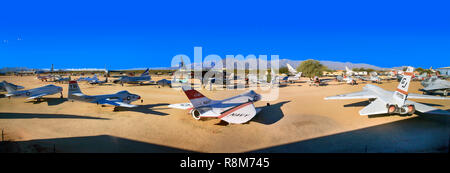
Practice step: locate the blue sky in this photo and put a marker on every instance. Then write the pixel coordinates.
(132, 34)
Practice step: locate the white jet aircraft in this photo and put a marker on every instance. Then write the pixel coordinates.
(35, 93)
(121, 98)
(294, 75)
(388, 102)
(236, 110)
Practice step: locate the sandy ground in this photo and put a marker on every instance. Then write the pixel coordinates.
(300, 120)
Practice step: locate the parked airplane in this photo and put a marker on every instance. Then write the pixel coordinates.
(349, 72)
(435, 85)
(97, 81)
(35, 93)
(164, 82)
(121, 98)
(145, 77)
(237, 110)
(348, 80)
(16, 87)
(388, 102)
(88, 78)
(44, 78)
(62, 79)
(294, 75)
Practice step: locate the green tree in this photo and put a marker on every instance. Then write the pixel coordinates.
(283, 70)
(311, 68)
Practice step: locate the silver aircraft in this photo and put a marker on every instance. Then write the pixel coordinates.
(16, 87)
(97, 81)
(435, 85)
(145, 77)
(35, 93)
(121, 98)
(88, 78)
(388, 102)
(294, 75)
(236, 110)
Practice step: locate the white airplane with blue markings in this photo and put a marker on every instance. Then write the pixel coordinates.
(294, 75)
(388, 102)
(16, 87)
(119, 99)
(145, 77)
(236, 110)
(35, 93)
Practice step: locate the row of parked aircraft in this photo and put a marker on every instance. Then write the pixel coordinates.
(241, 109)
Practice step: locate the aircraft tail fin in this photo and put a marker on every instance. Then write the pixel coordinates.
(196, 98)
(73, 89)
(291, 69)
(146, 73)
(402, 90)
(8, 87)
(347, 69)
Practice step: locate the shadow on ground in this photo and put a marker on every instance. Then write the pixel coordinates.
(86, 144)
(6, 115)
(50, 101)
(146, 109)
(425, 133)
(270, 114)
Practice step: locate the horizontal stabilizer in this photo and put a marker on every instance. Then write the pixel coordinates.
(374, 108)
(239, 114)
(183, 106)
(427, 109)
(420, 96)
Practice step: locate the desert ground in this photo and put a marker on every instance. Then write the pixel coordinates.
(300, 120)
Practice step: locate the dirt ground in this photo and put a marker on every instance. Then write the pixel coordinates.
(300, 120)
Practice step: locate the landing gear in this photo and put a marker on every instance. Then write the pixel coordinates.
(61, 95)
(445, 93)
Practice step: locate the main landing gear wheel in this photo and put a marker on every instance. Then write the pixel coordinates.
(411, 109)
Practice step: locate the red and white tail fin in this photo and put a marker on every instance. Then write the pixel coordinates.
(402, 90)
(197, 99)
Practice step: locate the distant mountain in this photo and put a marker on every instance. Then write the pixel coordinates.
(334, 65)
(13, 69)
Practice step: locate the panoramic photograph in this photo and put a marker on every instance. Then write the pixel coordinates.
(265, 77)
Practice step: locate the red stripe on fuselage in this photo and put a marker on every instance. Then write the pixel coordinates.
(403, 92)
(408, 73)
(234, 109)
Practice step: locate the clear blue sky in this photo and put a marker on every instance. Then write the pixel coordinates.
(131, 34)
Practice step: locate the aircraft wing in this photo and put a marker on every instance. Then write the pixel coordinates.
(435, 87)
(376, 107)
(181, 106)
(115, 103)
(427, 109)
(356, 95)
(37, 96)
(239, 114)
(421, 96)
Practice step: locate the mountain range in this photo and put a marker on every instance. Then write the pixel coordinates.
(334, 65)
